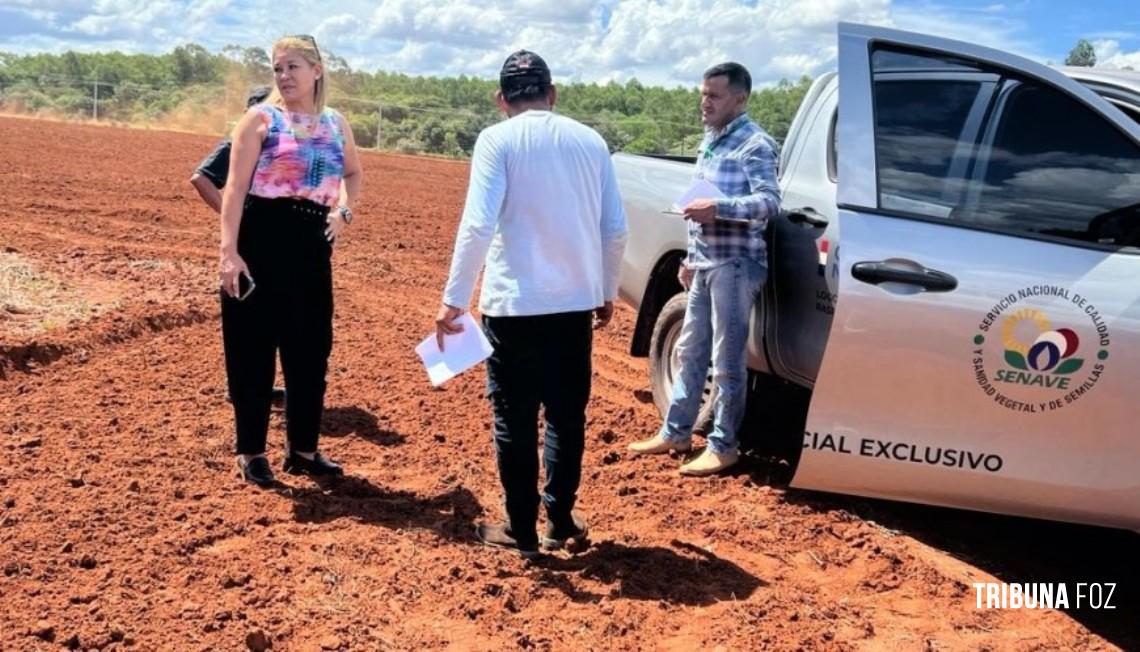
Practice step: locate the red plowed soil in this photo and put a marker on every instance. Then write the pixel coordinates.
(123, 525)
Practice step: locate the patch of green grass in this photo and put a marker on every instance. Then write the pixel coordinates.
(34, 301)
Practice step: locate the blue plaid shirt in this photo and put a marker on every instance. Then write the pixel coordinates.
(741, 161)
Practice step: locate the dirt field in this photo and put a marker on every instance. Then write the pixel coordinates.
(123, 524)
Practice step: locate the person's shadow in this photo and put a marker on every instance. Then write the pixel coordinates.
(683, 574)
(344, 421)
(451, 515)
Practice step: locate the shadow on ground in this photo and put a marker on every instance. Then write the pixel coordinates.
(344, 421)
(451, 515)
(683, 574)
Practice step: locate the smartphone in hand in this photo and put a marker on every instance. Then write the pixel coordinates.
(245, 286)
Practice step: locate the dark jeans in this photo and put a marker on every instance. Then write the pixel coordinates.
(291, 310)
(540, 360)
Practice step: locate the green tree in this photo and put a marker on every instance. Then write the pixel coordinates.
(1082, 54)
(257, 61)
(233, 52)
(336, 64)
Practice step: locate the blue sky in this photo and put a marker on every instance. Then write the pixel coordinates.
(658, 41)
(1062, 23)
(1052, 27)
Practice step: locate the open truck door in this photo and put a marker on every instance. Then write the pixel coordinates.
(985, 348)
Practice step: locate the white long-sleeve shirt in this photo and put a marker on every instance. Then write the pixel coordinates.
(544, 215)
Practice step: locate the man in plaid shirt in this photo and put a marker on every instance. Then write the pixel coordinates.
(723, 272)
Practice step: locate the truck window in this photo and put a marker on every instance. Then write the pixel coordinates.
(918, 123)
(1014, 155)
(1057, 168)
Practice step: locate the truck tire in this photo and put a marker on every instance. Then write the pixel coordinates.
(664, 363)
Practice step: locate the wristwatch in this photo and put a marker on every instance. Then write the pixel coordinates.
(345, 214)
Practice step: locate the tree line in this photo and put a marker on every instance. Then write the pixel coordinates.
(389, 110)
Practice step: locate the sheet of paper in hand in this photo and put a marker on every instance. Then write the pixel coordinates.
(701, 189)
(460, 351)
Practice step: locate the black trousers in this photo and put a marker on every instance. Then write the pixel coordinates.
(540, 360)
(290, 310)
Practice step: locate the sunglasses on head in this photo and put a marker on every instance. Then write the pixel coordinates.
(308, 38)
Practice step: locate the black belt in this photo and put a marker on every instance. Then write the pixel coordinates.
(303, 208)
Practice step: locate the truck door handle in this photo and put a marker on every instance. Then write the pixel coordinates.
(807, 215)
(880, 271)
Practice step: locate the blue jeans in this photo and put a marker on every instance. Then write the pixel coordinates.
(716, 325)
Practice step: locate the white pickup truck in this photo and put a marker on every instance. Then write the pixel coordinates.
(952, 313)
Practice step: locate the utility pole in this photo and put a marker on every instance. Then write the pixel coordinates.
(379, 121)
(95, 104)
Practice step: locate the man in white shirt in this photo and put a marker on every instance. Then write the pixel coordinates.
(544, 220)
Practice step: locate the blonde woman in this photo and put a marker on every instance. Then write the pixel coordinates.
(294, 174)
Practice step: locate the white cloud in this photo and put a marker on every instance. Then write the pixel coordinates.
(1118, 35)
(792, 65)
(50, 7)
(140, 20)
(991, 29)
(45, 43)
(1106, 48)
(561, 13)
(666, 42)
(207, 10)
(94, 25)
(672, 43)
(419, 58)
(1109, 55)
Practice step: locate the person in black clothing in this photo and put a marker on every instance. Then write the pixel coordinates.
(209, 179)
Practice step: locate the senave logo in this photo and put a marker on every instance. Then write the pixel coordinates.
(1030, 366)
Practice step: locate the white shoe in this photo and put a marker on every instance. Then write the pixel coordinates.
(709, 462)
(657, 444)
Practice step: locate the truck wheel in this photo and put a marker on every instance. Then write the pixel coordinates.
(664, 363)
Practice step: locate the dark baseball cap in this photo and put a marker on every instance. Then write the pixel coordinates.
(523, 73)
(257, 95)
